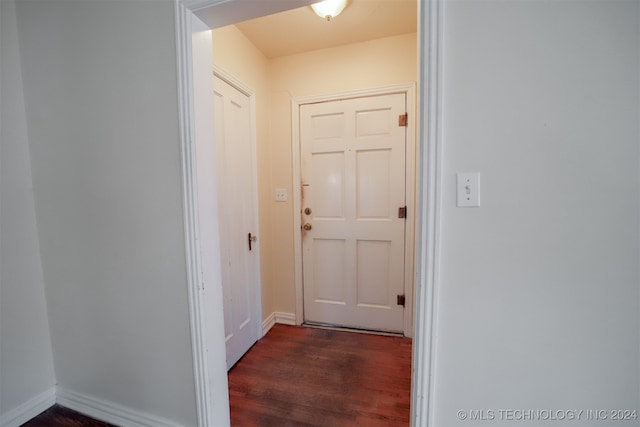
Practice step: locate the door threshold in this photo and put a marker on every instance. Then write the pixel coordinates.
(350, 329)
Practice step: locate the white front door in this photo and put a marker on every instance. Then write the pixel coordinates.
(353, 183)
(237, 212)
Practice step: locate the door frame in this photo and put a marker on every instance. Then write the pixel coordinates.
(409, 90)
(205, 316)
(251, 94)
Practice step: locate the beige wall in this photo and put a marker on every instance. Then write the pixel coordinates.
(365, 65)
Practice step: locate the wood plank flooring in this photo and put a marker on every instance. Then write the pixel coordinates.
(297, 376)
(58, 416)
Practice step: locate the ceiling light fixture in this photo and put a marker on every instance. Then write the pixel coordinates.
(328, 9)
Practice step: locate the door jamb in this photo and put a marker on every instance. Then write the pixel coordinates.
(409, 89)
(430, 83)
(202, 320)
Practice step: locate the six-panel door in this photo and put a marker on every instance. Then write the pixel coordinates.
(353, 181)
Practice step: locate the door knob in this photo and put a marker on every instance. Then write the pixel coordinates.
(307, 226)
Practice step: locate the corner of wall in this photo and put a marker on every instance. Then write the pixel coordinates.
(27, 371)
(110, 412)
(29, 409)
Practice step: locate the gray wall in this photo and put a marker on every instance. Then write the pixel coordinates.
(26, 362)
(539, 288)
(101, 100)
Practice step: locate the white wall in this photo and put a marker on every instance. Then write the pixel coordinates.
(26, 361)
(539, 302)
(101, 100)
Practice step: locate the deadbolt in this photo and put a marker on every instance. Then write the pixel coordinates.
(307, 226)
(307, 211)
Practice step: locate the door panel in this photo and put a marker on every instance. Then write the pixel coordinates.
(373, 185)
(329, 252)
(353, 175)
(237, 211)
(329, 191)
(373, 278)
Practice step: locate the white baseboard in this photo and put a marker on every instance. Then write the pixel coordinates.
(285, 318)
(29, 409)
(268, 323)
(277, 317)
(108, 411)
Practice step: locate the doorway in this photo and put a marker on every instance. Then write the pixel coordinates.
(205, 308)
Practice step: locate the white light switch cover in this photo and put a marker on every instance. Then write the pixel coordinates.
(281, 195)
(468, 185)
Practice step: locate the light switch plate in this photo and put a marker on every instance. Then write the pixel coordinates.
(281, 195)
(468, 185)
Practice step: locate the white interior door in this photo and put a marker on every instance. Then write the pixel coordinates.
(237, 211)
(353, 181)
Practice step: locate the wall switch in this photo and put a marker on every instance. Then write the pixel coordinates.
(281, 195)
(468, 185)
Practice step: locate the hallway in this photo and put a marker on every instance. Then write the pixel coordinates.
(298, 376)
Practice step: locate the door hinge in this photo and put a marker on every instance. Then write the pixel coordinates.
(402, 119)
(401, 300)
(402, 212)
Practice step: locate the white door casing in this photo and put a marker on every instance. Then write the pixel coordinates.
(353, 182)
(238, 217)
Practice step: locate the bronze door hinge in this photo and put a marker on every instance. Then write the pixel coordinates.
(402, 212)
(402, 119)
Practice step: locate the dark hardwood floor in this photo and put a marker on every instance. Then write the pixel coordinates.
(58, 416)
(297, 376)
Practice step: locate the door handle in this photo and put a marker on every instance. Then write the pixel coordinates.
(251, 239)
(307, 226)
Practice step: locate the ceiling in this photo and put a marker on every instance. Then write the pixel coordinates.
(301, 30)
